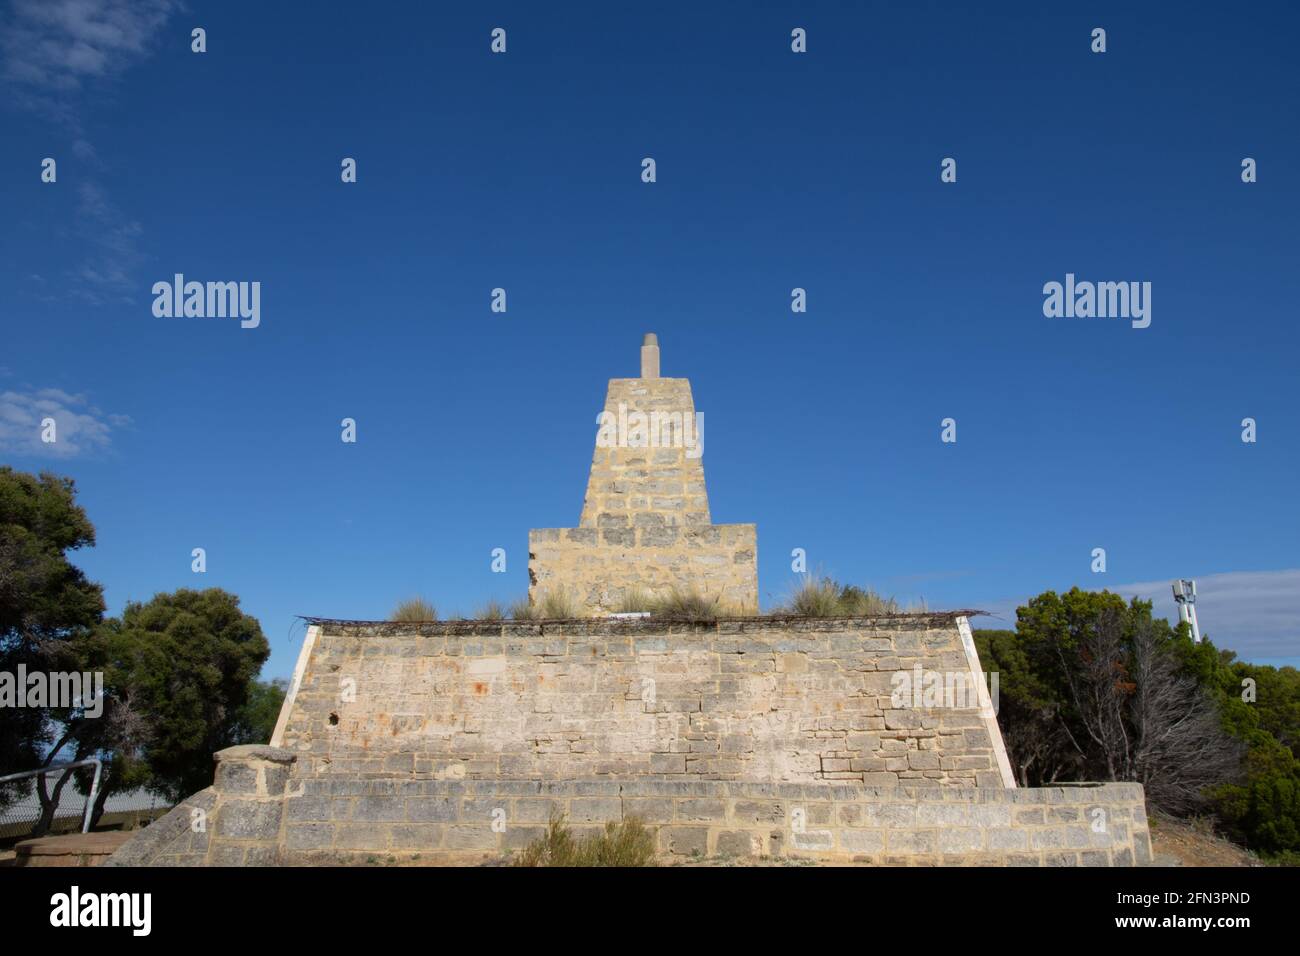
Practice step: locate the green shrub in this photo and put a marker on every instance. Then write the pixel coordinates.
(627, 843)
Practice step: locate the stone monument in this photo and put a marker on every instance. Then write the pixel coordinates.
(645, 526)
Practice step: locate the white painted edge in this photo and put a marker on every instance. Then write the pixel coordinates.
(989, 716)
(308, 642)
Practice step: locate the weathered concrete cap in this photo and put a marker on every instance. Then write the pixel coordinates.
(256, 752)
(650, 356)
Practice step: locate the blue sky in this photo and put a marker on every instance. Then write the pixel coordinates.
(775, 170)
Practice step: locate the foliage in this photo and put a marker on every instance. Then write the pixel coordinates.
(634, 601)
(521, 609)
(820, 596)
(254, 722)
(491, 611)
(414, 611)
(558, 605)
(178, 672)
(685, 605)
(1092, 688)
(1106, 696)
(46, 604)
(627, 843)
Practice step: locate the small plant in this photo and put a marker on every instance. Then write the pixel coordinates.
(522, 610)
(864, 602)
(825, 597)
(688, 605)
(414, 611)
(628, 843)
(815, 597)
(491, 611)
(635, 600)
(558, 605)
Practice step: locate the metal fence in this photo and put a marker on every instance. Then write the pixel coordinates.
(20, 806)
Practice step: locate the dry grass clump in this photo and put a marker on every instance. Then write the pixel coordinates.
(635, 600)
(686, 605)
(627, 843)
(521, 609)
(414, 611)
(557, 605)
(826, 597)
(491, 611)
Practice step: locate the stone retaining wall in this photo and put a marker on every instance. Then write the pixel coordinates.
(259, 813)
(757, 699)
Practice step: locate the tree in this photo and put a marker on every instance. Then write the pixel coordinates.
(179, 672)
(46, 604)
(1093, 688)
(1036, 741)
(255, 721)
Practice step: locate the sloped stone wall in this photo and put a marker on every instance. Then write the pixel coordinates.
(458, 742)
(759, 699)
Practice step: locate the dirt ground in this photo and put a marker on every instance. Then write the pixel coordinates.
(1194, 843)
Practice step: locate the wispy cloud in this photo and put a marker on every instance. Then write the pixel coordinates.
(79, 427)
(52, 48)
(113, 241)
(1250, 612)
(51, 51)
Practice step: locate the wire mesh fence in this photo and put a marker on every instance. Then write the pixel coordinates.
(21, 810)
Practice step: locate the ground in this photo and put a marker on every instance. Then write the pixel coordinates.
(1194, 843)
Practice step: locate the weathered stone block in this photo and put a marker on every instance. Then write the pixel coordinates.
(740, 843)
(249, 819)
(684, 841)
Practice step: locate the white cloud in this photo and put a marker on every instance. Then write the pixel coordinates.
(80, 428)
(1251, 612)
(114, 243)
(1255, 613)
(50, 50)
(52, 46)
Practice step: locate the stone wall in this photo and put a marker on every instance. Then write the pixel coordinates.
(645, 524)
(768, 737)
(599, 567)
(238, 821)
(256, 814)
(758, 699)
(342, 820)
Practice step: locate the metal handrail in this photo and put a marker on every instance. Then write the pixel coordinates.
(94, 784)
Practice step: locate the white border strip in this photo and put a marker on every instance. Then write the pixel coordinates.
(986, 704)
(299, 669)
